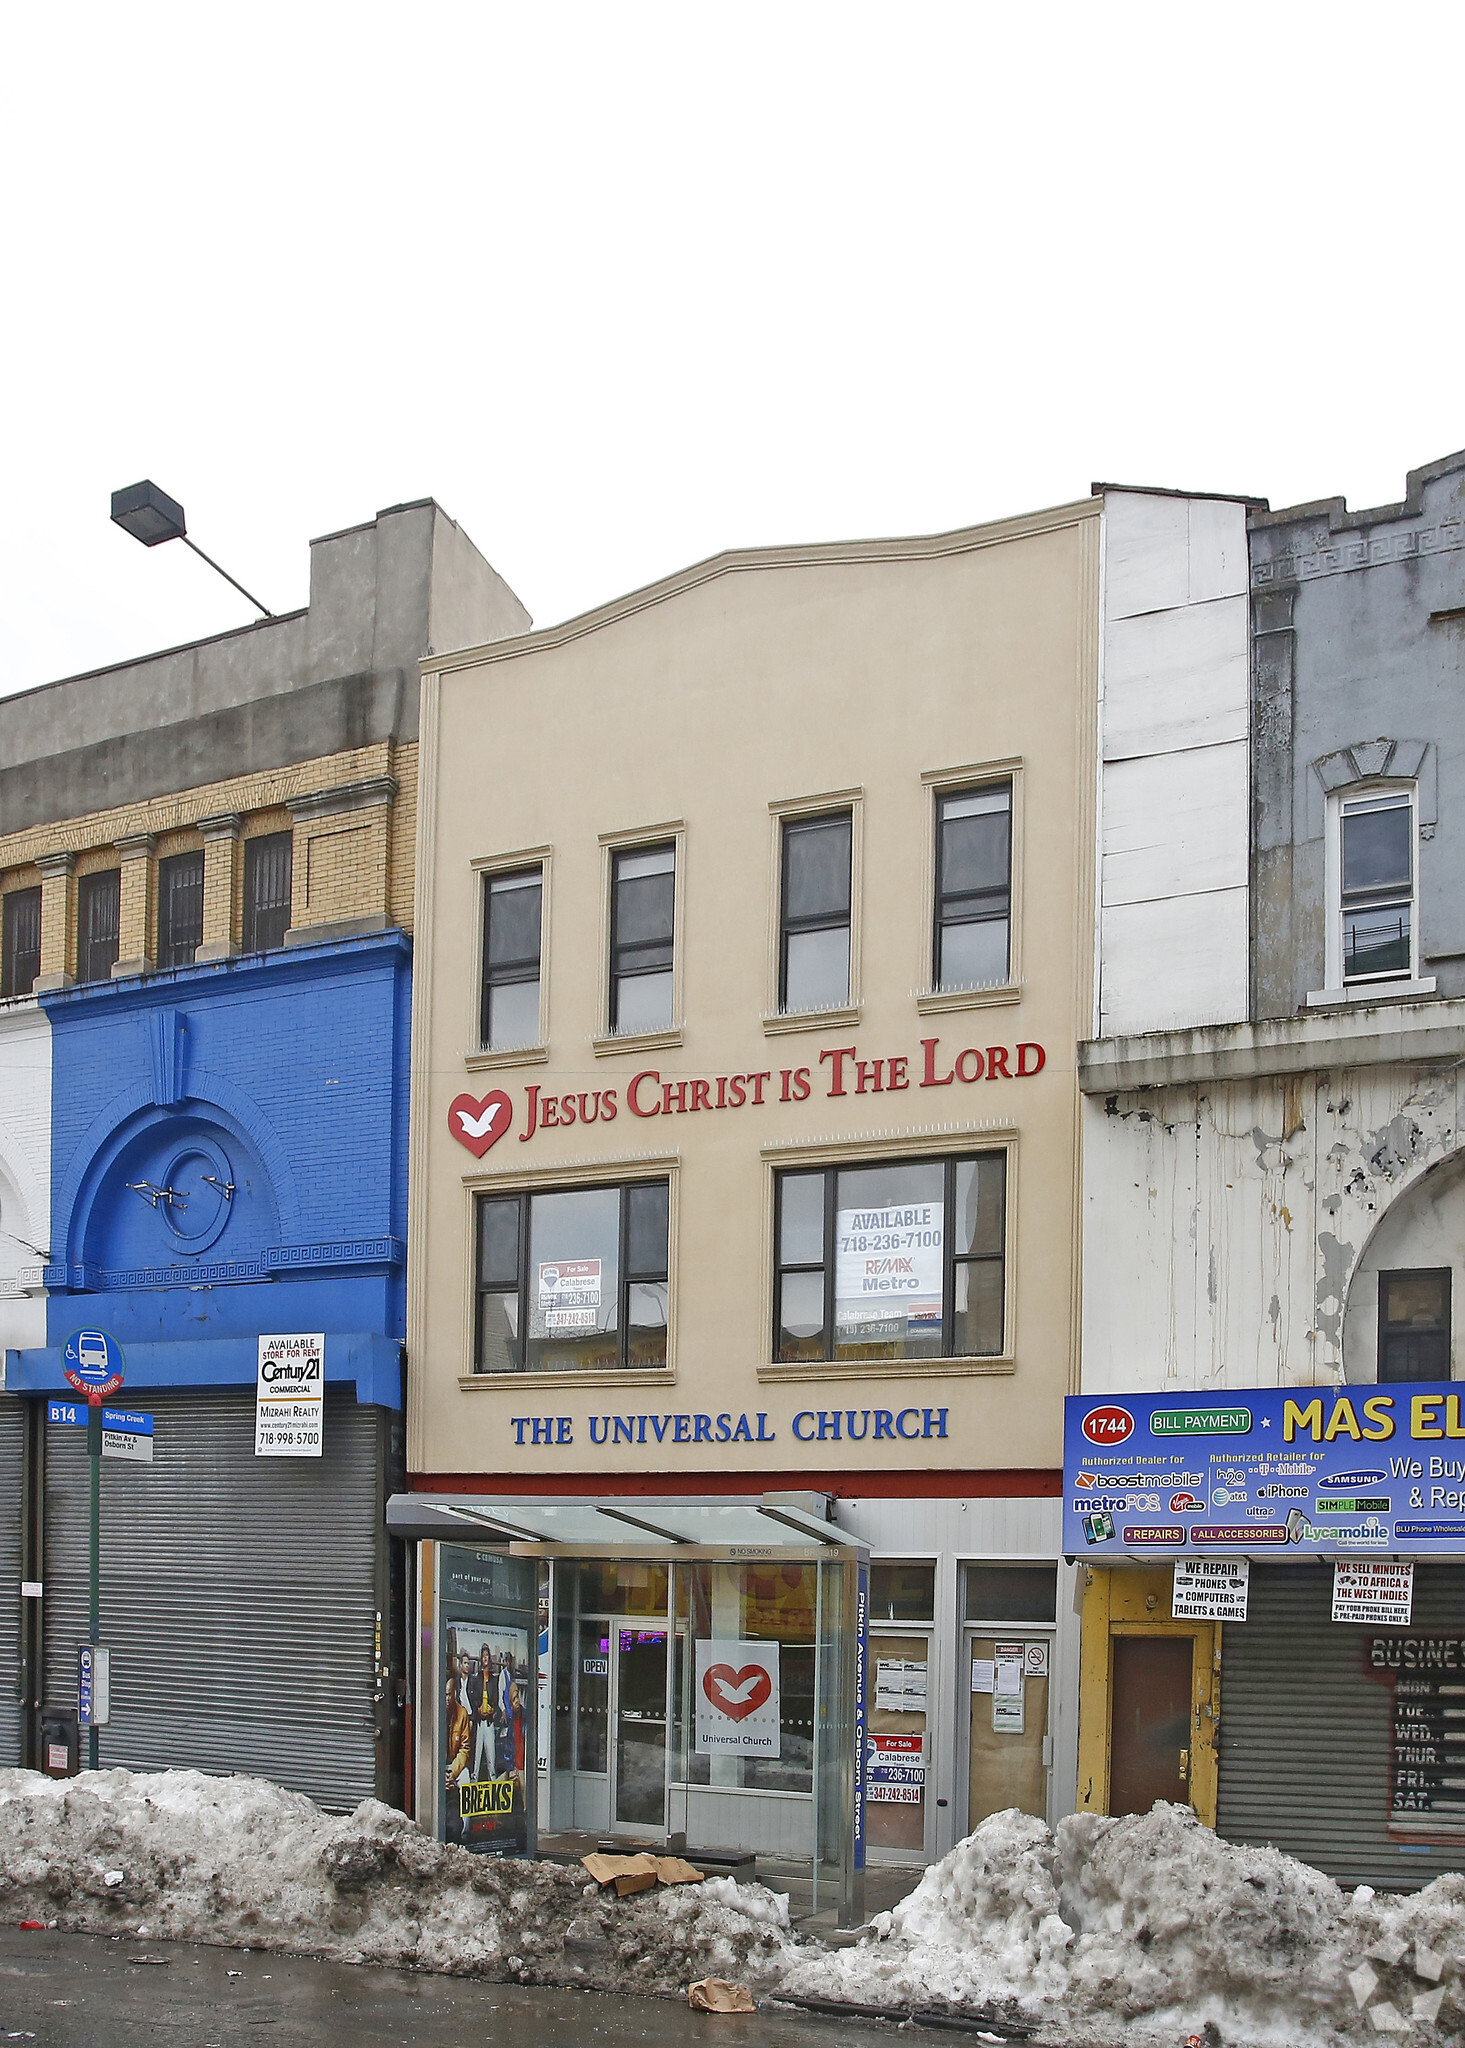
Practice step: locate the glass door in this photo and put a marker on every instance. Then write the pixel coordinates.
(1008, 1751)
(638, 1797)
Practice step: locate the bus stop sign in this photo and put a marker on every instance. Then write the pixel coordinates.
(93, 1362)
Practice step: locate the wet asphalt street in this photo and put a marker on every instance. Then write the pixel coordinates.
(90, 1991)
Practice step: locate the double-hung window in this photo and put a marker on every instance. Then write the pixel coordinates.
(814, 913)
(572, 1279)
(513, 919)
(898, 1260)
(20, 942)
(98, 909)
(268, 863)
(642, 933)
(1414, 1324)
(180, 909)
(973, 887)
(1376, 870)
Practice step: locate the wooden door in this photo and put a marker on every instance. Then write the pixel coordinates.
(1150, 1724)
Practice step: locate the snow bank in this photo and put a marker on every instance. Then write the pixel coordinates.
(177, 1855)
(1149, 1925)
(1154, 1923)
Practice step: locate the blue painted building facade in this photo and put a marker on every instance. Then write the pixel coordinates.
(229, 1158)
(229, 1151)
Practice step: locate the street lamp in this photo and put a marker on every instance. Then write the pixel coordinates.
(151, 516)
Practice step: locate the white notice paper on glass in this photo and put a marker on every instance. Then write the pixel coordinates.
(900, 1685)
(1007, 1715)
(1008, 1660)
(984, 1674)
(888, 1266)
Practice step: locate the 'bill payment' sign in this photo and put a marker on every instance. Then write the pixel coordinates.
(1266, 1471)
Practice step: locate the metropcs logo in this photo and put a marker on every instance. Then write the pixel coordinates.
(478, 1123)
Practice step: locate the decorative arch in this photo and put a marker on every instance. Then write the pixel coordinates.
(135, 1110)
(1384, 759)
(19, 1180)
(1422, 1226)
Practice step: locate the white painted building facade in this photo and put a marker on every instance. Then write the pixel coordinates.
(25, 1224)
(1273, 1173)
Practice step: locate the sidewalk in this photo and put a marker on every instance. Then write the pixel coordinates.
(93, 1991)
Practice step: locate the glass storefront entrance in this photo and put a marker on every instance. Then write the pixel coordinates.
(702, 1693)
(647, 1744)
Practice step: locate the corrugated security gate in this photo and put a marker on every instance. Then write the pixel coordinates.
(239, 1594)
(1306, 1732)
(12, 1456)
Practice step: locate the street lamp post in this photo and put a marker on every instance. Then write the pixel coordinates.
(152, 517)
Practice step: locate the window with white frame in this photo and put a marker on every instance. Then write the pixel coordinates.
(973, 901)
(513, 919)
(1376, 873)
(642, 937)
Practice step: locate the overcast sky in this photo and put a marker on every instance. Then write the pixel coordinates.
(622, 285)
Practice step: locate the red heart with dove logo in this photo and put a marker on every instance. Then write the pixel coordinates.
(480, 1125)
(729, 1684)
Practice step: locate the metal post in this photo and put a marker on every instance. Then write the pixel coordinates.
(94, 1451)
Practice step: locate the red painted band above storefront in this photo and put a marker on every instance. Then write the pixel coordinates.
(1035, 1485)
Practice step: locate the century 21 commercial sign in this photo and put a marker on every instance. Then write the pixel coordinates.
(1261, 1470)
(478, 1122)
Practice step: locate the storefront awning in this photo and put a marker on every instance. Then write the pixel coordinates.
(776, 1526)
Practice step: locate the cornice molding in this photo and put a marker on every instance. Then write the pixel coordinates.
(820, 554)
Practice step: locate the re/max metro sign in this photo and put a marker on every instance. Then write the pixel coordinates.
(1339, 1471)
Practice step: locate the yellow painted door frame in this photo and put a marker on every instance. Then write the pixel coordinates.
(1130, 1600)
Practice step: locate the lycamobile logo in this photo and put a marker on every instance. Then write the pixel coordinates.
(1200, 1422)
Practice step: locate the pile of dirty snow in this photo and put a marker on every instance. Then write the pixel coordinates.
(1150, 1925)
(1154, 1923)
(177, 1855)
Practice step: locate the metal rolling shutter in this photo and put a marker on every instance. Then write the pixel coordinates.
(12, 1453)
(238, 1594)
(1305, 1734)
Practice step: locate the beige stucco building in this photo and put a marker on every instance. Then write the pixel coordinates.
(755, 937)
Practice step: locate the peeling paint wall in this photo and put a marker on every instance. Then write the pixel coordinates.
(1229, 1228)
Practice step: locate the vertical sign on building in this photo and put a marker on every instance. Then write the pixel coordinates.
(290, 1397)
(862, 1663)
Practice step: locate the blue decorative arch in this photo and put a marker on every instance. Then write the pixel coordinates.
(135, 1110)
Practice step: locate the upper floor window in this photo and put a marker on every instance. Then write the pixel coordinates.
(1376, 886)
(268, 865)
(513, 916)
(973, 887)
(20, 942)
(180, 909)
(892, 1261)
(814, 913)
(98, 910)
(642, 918)
(572, 1279)
(1414, 1324)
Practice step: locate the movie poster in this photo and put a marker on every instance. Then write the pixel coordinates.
(488, 1701)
